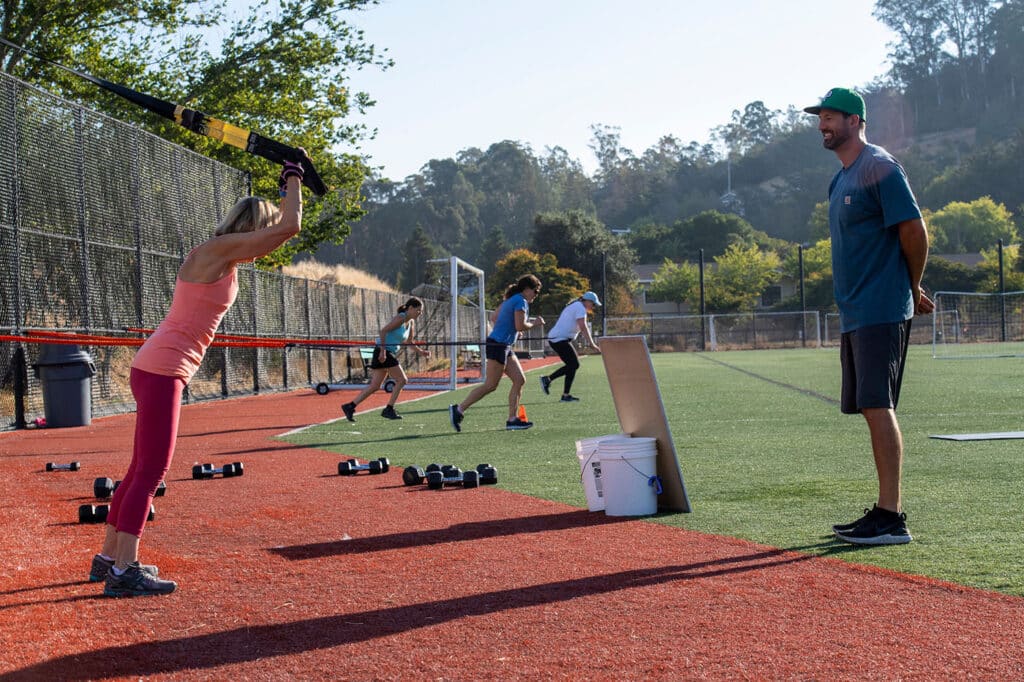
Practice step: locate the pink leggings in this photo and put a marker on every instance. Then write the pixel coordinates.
(158, 406)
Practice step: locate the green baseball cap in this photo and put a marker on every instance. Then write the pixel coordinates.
(840, 99)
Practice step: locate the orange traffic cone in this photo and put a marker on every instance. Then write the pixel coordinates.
(522, 413)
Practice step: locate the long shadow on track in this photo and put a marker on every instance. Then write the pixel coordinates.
(459, 532)
(252, 643)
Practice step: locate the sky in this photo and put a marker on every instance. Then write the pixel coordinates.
(469, 73)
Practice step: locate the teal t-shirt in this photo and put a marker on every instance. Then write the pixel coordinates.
(870, 278)
(397, 336)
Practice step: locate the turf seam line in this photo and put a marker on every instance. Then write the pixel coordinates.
(805, 391)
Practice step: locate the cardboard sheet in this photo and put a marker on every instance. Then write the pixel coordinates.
(641, 412)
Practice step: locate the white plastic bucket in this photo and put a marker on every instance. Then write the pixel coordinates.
(590, 470)
(629, 473)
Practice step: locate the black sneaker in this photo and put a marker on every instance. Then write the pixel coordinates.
(350, 411)
(135, 582)
(389, 413)
(101, 564)
(517, 424)
(843, 527)
(456, 417)
(881, 528)
(570, 398)
(545, 385)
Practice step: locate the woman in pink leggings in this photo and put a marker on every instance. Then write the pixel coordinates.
(206, 286)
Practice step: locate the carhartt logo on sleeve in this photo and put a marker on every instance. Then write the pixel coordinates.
(846, 200)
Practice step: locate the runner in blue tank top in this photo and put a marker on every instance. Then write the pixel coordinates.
(512, 317)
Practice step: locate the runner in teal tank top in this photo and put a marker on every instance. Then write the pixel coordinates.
(385, 363)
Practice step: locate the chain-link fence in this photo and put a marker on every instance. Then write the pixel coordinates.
(96, 217)
(722, 331)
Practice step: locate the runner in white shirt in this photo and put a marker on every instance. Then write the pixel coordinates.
(571, 323)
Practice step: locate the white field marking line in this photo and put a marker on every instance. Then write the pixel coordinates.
(342, 418)
(338, 419)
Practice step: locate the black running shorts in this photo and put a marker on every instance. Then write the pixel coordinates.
(496, 350)
(389, 359)
(873, 359)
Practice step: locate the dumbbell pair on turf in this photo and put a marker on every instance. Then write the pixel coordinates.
(54, 466)
(201, 471)
(352, 467)
(437, 476)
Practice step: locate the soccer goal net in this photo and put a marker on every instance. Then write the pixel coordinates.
(453, 328)
(973, 325)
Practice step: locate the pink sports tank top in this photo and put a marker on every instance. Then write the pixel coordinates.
(178, 345)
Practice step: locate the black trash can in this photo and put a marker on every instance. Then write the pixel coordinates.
(66, 373)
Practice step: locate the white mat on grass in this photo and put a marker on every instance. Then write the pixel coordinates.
(998, 435)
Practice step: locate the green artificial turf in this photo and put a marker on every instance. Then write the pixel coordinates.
(765, 453)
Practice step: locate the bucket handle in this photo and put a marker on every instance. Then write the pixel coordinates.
(584, 467)
(652, 481)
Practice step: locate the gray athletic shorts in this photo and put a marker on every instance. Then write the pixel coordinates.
(873, 359)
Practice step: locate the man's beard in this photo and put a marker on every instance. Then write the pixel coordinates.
(836, 141)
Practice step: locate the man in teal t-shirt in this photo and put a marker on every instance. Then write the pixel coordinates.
(879, 250)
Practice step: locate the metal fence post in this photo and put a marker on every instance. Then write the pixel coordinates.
(703, 310)
(20, 369)
(803, 302)
(12, 116)
(284, 322)
(309, 333)
(1002, 296)
(330, 332)
(255, 330)
(83, 235)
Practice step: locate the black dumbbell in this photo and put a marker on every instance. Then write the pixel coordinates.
(488, 474)
(97, 513)
(414, 475)
(201, 471)
(72, 466)
(485, 474)
(452, 476)
(352, 467)
(102, 488)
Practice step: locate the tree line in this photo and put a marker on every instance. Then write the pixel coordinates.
(949, 108)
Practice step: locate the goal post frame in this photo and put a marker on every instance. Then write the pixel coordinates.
(987, 325)
(454, 264)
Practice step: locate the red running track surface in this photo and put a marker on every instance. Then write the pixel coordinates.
(291, 572)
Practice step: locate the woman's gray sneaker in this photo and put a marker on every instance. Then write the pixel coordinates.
(135, 582)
